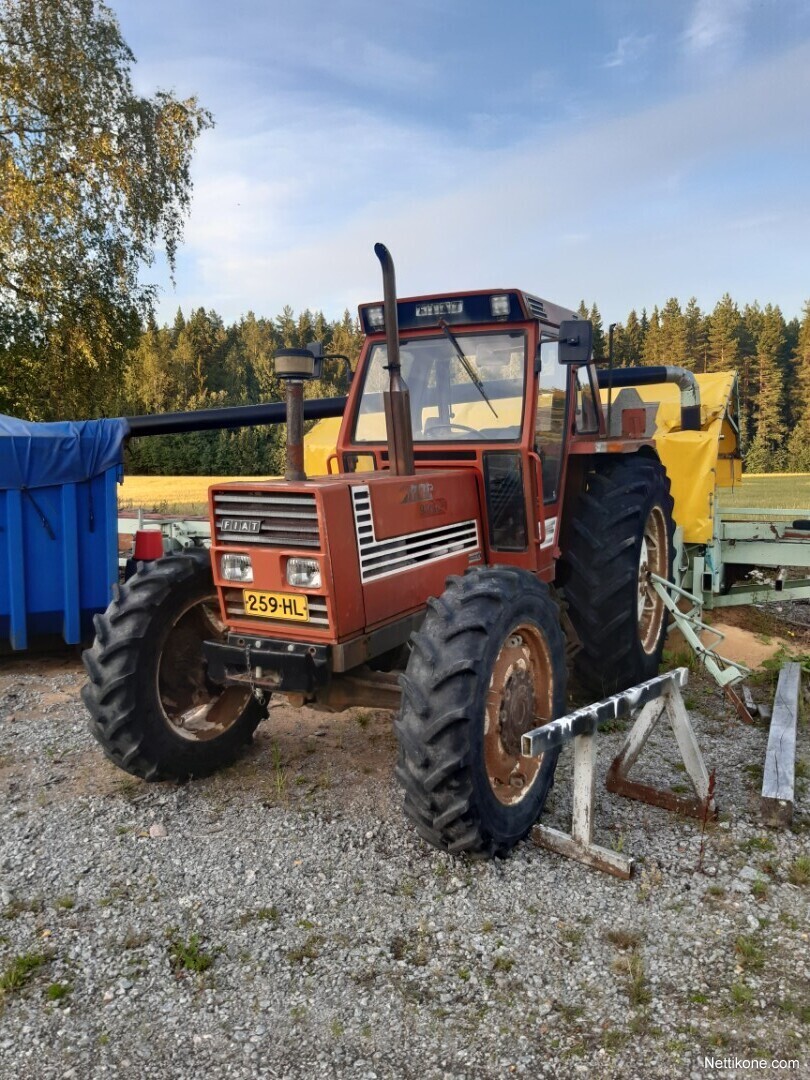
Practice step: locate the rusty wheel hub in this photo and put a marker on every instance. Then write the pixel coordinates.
(653, 558)
(194, 707)
(519, 698)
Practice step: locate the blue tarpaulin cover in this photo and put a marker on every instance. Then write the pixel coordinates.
(36, 455)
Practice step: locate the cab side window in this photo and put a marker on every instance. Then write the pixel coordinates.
(549, 426)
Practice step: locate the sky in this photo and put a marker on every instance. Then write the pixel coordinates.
(623, 152)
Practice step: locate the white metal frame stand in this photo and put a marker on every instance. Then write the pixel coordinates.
(656, 698)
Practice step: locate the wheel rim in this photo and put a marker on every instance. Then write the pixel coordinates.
(653, 558)
(195, 708)
(519, 698)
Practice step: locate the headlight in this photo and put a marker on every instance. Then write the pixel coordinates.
(376, 317)
(236, 568)
(499, 306)
(304, 572)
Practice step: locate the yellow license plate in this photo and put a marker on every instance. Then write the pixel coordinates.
(276, 605)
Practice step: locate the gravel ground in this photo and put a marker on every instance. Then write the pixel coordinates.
(282, 920)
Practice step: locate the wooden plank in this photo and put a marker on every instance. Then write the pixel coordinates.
(780, 757)
(600, 858)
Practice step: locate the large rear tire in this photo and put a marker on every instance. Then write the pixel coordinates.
(620, 530)
(487, 662)
(154, 709)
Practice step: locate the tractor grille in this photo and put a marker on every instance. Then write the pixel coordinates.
(288, 519)
(318, 614)
(381, 557)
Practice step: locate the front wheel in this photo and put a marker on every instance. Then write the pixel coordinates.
(487, 666)
(153, 707)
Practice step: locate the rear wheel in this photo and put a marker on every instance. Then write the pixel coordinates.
(487, 666)
(621, 531)
(154, 709)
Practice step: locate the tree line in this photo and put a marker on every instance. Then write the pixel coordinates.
(771, 356)
(199, 362)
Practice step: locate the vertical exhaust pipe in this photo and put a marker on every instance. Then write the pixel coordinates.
(396, 399)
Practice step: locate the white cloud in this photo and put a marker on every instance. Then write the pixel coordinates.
(629, 50)
(715, 26)
(455, 218)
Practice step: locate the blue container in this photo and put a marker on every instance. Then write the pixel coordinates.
(58, 525)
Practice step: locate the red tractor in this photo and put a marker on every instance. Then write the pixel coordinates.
(481, 523)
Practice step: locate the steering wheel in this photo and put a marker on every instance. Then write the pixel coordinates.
(450, 426)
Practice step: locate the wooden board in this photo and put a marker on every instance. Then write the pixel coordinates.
(780, 758)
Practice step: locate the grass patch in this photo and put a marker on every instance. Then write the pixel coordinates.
(19, 971)
(699, 998)
(310, 950)
(624, 939)
(760, 890)
(65, 903)
(189, 955)
(741, 994)
(57, 991)
(749, 953)
(17, 907)
(799, 871)
(631, 967)
(758, 843)
(503, 963)
(363, 719)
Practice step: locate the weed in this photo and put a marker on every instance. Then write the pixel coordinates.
(788, 920)
(464, 974)
(624, 939)
(749, 952)
(363, 719)
(760, 889)
(572, 934)
(65, 903)
(614, 1039)
(689, 702)
(679, 789)
(57, 991)
(649, 880)
(503, 963)
(298, 1012)
(17, 907)
(19, 971)
(699, 998)
(190, 955)
(716, 891)
(795, 1008)
(487, 927)
(366, 1031)
(310, 950)
(799, 871)
(619, 844)
(802, 769)
(103, 1039)
(631, 966)
(279, 774)
(742, 994)
(134, 939)
(758, 843)
(268, 914)
(337, 1028)
(305, 924)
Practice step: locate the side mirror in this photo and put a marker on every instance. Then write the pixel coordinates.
(575, 341)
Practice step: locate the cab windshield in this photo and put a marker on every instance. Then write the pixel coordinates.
(479, 397)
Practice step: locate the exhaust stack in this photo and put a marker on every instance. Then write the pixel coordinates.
(294, 366)
(396, 399)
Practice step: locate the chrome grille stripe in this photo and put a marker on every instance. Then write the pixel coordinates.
(379, 558)
(287, 519)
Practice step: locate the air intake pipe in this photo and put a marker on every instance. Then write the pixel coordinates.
(396, 399)
(650, 376)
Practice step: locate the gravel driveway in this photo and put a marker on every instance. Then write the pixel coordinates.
(282, 920)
